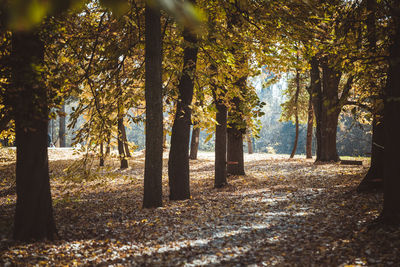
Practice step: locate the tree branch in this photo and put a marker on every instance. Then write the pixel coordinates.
(346, 90)
(361, 105)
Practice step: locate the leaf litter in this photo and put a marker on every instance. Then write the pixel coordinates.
(282, 212)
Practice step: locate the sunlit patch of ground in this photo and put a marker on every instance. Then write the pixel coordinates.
(282, 212)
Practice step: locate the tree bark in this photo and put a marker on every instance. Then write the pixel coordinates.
(28, 96)
(235, 157)
(220, 144)
(152, 196)
(108, 146)
(310, 122)
(326, 109)
(237, 124)
(52, 132)
(391, 207)
(316, 92)
(373, 180)
(221, 118)
(371, 23)
(61, 132)
(125, 141)
(121, 147)
(164, 138)
(330, 114)
(249, 144)
(194, 144)
(101, 164)
(178, 162)
(296, 113)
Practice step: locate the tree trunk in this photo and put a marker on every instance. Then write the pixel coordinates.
(108, 147)
(178, 162)
(237, 124)
(28, 96)
(296, 113)
(391, 207)
(371, 23)
(194, 144)
(52, 132)
(328, 138)
(249, 144)
(330, 114)
(326, 108)
(235, 158)
(164, 140)
(61, 132)
(235, 152)
(310, 122)
(125, 141)
(221, 119)
(296, 138)
(152, 196)
(220, 145)
(316, 92)
(121, 148)
(101, 154)
(373, 180)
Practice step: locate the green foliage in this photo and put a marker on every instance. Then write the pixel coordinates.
(25, 14)
(95, 51)
(290, 106)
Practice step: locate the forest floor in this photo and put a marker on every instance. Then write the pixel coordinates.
(282, 212)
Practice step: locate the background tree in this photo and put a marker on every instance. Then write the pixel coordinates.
(178, 162)
(236, 122)
(154, 123)
(310, 124)
(62, 126)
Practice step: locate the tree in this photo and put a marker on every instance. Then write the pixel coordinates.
(326, 36)
(373, 180)
(235, 158)
(296, 112)
(236, 123)
(220, 141)
(221, 116)
(296, 107)
(327, 105)
(62, 126)
(28, 97)
(152, 196)
(195, 139)
(121, 139)
(310, 122)
(27, 100)
(194, 142)
(249, 143)
(391, 209)
(328, 112)
(178, 162)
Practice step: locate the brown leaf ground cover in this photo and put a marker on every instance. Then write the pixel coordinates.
(283, 212)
